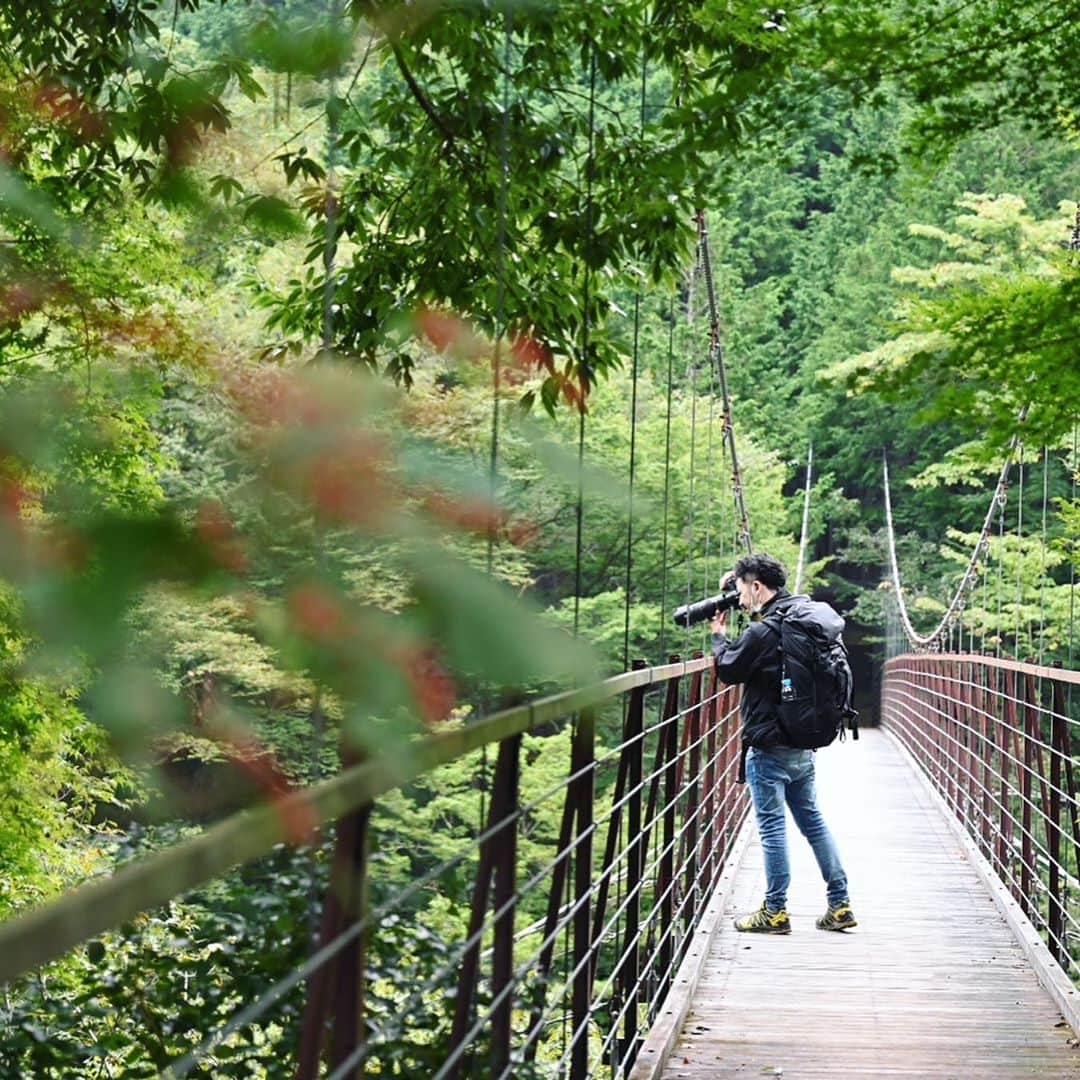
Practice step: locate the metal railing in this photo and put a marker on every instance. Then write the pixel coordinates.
(568, 948)
(995, 737)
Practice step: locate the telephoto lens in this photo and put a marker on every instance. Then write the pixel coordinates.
(689, 614)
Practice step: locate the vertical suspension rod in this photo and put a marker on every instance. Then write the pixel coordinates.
(804, 534)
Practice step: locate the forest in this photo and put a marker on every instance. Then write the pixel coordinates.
(355, 383)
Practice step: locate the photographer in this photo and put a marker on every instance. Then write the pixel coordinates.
(776, 774)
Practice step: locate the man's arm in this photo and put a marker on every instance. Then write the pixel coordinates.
(736, 660)
(725, 669)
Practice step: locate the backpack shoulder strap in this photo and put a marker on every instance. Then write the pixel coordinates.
(775, 619)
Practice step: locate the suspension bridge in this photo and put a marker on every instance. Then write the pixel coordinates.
(608, 950)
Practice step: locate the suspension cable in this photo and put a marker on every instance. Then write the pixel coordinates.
(935, 638)
(716, 358)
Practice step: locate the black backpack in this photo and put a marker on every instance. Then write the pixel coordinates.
(815, 677)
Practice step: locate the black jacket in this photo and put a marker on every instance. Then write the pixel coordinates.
(753, 659)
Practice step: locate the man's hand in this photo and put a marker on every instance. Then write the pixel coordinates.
(719, 621)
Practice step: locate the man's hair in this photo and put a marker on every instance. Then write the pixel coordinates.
(764, 568)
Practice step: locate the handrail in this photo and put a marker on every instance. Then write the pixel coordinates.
(1001, 663)
(47, 932)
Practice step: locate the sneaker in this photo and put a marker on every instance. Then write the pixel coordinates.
(764, 921)
(840, 917)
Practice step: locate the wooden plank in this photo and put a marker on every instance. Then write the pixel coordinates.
(932, 983)
(664, 1033)
(1050, 974)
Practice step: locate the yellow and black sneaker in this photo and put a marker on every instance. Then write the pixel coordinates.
(764, 921)
(837, 918)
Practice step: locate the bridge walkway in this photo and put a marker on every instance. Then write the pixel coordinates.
(933, 983)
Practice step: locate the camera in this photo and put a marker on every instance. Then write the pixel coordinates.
(689, 614)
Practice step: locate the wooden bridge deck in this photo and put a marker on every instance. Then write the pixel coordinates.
(933, 983)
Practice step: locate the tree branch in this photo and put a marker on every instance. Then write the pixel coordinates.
(422, 99)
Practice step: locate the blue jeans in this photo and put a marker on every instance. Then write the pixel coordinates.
(782, 775)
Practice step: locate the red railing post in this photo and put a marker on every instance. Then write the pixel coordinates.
(583, 755)
(551, 918)
(690, 807)
(1006, 728)
(950, 744)
(727, 795)
(1070, 787)
(931, 751)
(614, 832)
(503, 798)
(508, 774)
(987, 754)
(313, 1025)
(708, 805)
(1035, 731)
(740, 804)
(1059, 742)
(930, 723)
(635, 720)
(907, 728)
(1025, 710)
(669, 734)
(336, 990)
(969, 728)
(657, 784)
(348, 1030)
(1005, 828)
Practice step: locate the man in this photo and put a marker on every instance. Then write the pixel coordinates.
(776, 774)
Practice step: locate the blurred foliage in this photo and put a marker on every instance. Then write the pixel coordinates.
(220, 557)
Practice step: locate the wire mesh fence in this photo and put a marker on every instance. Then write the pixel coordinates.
(537, 940)
(996, 739)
